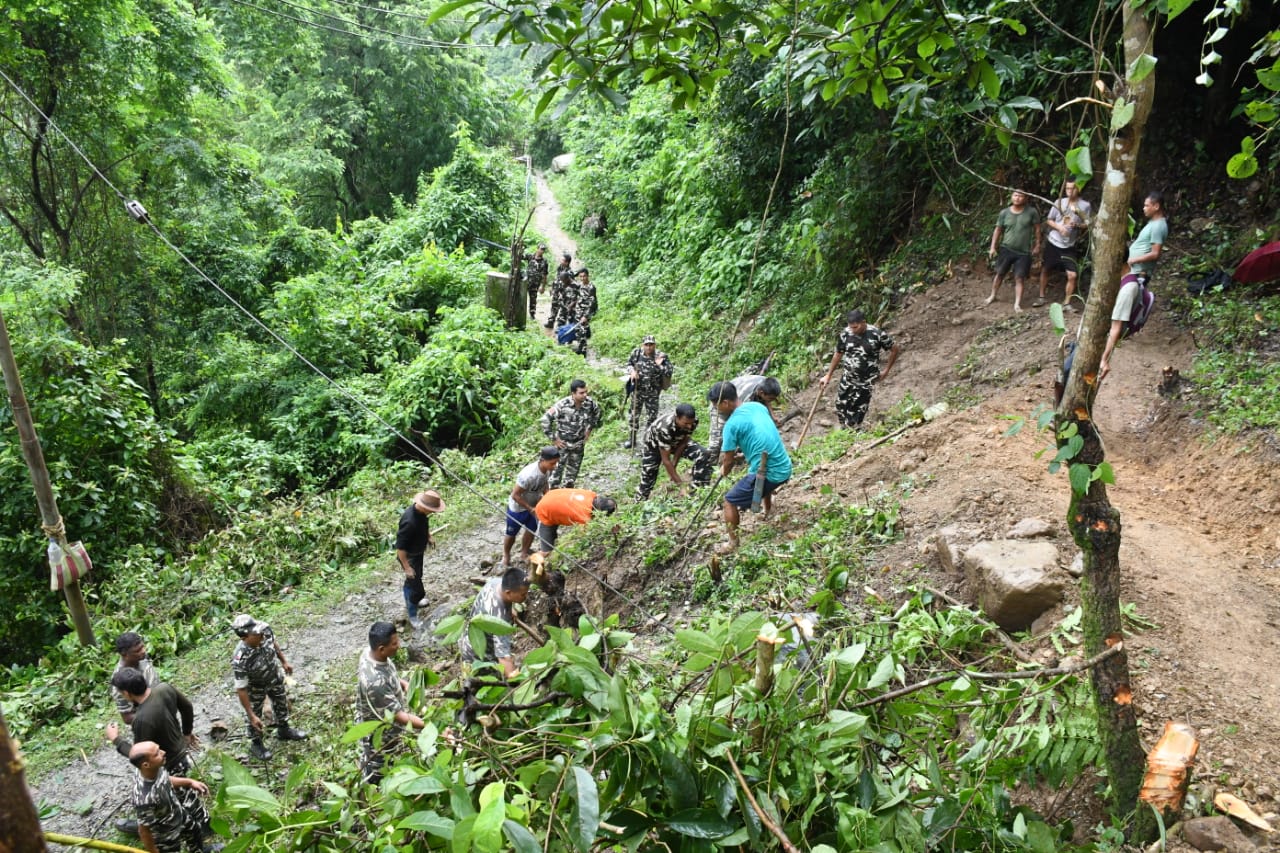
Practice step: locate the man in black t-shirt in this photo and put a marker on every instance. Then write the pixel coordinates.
(163, 715)
(412, 539)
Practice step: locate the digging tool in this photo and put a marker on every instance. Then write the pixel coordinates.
(757, 495)
(822, 389)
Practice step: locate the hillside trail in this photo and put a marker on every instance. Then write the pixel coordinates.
(1200, 519)
(89, 794)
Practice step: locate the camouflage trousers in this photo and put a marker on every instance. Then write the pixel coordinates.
(279, 703)
(193, 827)
(852, 400)
(533, 296)
(556, 315)
(565, 474)
(651, 463)
(374, 756)
(644, 410)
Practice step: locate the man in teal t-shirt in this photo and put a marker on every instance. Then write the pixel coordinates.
(1144, 251)
(749, 428)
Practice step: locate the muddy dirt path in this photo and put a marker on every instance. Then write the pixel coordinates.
(91, 793)
(1200, 547)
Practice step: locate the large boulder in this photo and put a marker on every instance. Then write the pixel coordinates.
(1013, 581)
(561, 162)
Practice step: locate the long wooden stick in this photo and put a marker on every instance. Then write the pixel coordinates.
(73, 841)
(822, 389)
(764, 818)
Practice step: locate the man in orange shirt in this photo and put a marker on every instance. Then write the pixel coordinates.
(567, 506)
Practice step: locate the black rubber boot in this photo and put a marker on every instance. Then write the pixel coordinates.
(127, 826)
(258, 750)
(287, 732)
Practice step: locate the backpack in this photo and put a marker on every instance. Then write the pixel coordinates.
(1143, 304)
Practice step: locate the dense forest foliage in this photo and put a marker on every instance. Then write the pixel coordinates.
(326, 185)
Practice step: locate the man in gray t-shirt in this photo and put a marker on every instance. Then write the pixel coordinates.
(1066, 225)
(531, 485)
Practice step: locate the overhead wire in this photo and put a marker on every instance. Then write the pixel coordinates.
(136, 211)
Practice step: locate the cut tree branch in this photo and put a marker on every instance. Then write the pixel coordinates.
(764, 818)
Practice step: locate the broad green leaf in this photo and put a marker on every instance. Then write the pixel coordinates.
(429, 822)
(419, 785)
(990, 80)
(1141, 68)
(1079, 162)
(926, 47)
(1105, 473)
(884, 672)
(850, 656)
(1024, 102)
(678, 781)
(360, 730)
(486, 834)
(1121, 114)
(522, 840)
(697, 641)
(1057, 319)
(700, 823)
(1242, 165)
(843, 724)
(235, 773)
(1177, 7)
(254, 798)
(493, 625)
(1079, 474)
(585, 819)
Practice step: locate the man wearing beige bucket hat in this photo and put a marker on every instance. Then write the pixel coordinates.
(412, 540)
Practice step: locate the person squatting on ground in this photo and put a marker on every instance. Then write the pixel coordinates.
(858, 348)
(568, 423)
(1144, 252)
(495, 599)
(413, 537)
(748, 428)
(380, 691)
(583, 307)
(668, 440)
(1012, 246)
(256, 676)
(170, 812)
(750, 388)
(650, 372)
(536, 276)
(161, 714)
(1067, 223)
(559, 507)
(561, 286)
(531, 484)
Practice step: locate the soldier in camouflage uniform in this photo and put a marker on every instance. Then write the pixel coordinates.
(569, 424)
(381, 691)
(256, 676)
(668, 440)
(858, 348)
(495, 599)
(582, 309)
(561, 287)
(170, 813)
(650, 372)
(536, 276)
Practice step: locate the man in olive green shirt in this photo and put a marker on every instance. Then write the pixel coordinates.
(1012, 245)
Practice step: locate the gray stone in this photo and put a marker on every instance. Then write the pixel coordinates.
(1216, 833)
(561, 162)
(1030, 528)
(1076, 569)
(1012, 580)
(948, 555)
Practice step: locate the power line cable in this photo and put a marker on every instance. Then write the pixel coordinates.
(395, 12)
(139, 214)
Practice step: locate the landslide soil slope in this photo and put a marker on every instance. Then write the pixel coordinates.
(1200, 518)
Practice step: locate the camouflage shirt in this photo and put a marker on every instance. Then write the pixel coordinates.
(158, 807)
(569, 423)
(650, 374)
(665, 434)
(583, 303)
(379, 689)
(256, 666)
(489, 603)
(537, 271)
(861, 361)
(123, 705)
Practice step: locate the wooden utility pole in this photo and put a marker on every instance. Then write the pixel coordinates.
(50, 518)
(19, 823)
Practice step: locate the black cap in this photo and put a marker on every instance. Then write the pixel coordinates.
(549, 452)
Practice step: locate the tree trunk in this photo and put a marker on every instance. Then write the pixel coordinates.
(1094, 523)
(19, 826)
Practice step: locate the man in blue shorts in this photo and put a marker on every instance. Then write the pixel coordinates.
(748, 428)
(531, 485)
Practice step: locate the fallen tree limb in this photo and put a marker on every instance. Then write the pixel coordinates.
(92, 843)
(764, 818)
(1005, 640)
(1048, 672)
